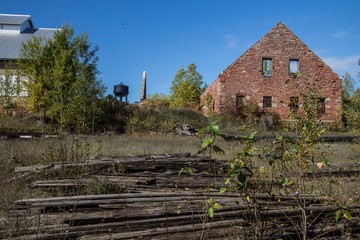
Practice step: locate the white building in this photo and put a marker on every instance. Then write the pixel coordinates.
(14, 30)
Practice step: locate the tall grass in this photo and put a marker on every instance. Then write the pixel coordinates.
(21, 152)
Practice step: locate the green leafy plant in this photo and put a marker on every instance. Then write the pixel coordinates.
(211, 206)
(208, 101)
(207, 143)
(241, 166)
(62, 78)
(10, 87)
(343, 211)
(294, 161)
(208, 138)
(186, 87)
(242, 178)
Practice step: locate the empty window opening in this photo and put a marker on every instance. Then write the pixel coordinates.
(9, 85)
(321, 108)
(293, 66)
(266, 67)
(294, 104)
(240, 101)
(267, 101)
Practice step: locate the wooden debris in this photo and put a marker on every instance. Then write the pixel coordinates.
(160, 203)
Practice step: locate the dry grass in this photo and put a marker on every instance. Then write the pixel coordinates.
(20, 152)
(39, 150)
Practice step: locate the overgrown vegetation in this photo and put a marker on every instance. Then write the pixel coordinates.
(288, 167)
(256, 167)
(186, 87)
(10, 86)
(350, 108)
(291, 167)
(185, 91)
(149, 118)
(119, 117)
(60, 76)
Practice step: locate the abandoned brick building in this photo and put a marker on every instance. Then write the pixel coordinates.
(260, 74)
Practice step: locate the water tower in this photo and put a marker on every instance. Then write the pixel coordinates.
(121, 91)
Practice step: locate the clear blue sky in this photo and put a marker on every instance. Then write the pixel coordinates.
(161, 36)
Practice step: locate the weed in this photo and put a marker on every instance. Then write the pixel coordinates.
(104, 187)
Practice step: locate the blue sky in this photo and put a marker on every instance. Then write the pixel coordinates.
(160, 36)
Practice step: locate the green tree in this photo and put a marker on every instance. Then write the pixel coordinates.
(348, 85)
(9, 88)
(350, 102)
(62, 73)
(187, 87)
(158, 96)
(34, 63)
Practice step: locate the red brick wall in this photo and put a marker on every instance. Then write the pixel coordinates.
(245, 76)
(213, 89)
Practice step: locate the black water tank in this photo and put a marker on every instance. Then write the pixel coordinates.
(121, 90)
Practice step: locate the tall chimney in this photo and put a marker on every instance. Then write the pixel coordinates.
(143, 87)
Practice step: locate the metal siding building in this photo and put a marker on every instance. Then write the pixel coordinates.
(14, 30)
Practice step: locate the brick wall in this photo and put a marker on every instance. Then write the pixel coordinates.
(245, 76)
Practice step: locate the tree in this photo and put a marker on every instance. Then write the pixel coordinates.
(350, 102)
(158, 97)
(34, 63)
(348, 85)
(9, 88)
(187, 87)
(62, 78)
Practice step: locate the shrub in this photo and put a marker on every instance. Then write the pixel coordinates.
(115, 115)
(151, 120)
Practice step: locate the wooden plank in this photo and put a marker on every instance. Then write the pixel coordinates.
(146, 213)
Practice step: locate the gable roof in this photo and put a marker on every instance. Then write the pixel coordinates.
(279, 27)
(14, 19)
(10, 43)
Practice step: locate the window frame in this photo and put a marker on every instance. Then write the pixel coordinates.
(291, 73)
(295, 106)
(321, 109)
(269, 71)
(13, 81)
(267, 101)
(239, 101)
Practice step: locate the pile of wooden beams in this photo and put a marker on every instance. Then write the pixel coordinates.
(160, 203)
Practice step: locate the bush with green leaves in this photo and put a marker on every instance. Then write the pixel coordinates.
(10, 87)
(62, 78)
(284, 166)
(350, 105)
(186, 87)
(144, 120)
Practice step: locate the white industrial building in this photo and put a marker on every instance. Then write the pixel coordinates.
(14, 30)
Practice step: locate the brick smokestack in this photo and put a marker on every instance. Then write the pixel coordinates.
(143, 87)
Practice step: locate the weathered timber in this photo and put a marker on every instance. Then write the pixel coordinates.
(163, 204)
(131, 164)
(333, 138)
(218, 229)
(160, 194)
(90, 211)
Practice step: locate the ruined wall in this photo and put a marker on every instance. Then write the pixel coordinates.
(213, 89)
(245, 76)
